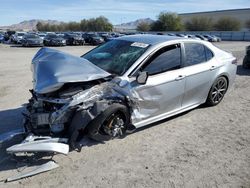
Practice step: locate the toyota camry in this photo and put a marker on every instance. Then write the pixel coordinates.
(124, 84)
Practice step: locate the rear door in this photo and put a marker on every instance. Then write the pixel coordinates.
(200, 71)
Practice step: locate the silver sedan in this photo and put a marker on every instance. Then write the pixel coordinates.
(126, 83)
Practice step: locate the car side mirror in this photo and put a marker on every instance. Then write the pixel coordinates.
(142, 77)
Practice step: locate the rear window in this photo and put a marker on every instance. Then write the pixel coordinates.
(209, 53)
(197, 53)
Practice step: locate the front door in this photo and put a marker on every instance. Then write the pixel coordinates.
(164, 89)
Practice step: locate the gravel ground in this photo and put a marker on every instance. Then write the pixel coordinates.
(205, 147)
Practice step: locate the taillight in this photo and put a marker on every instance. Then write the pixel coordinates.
(235, 61)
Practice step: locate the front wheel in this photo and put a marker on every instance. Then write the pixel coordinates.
(217, 91)
(112, 123)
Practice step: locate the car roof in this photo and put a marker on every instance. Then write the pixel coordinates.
(149, 39)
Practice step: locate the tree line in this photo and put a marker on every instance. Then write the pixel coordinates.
(94, 24)
(166, 21)
(172, 22)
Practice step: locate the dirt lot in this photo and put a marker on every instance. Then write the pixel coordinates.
(206, 147)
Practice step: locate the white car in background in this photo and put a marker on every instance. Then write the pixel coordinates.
(17, 37)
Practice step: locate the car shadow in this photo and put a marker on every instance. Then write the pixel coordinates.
(242, 71)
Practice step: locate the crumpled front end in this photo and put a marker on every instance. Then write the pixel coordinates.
(70, 93)
(59, 114)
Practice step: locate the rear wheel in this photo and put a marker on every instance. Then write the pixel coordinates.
(217, 91)
(244, 65)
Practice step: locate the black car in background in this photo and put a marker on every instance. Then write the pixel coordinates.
(31, 40)
(8, 34)
(93, 39)
(73, 39)
(54, 40)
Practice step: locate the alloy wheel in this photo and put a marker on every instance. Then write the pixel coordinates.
(114, 126)
(219, 89)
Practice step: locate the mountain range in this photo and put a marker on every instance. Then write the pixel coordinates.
(135, 23)
(29, 25)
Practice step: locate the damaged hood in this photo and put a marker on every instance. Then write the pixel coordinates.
(52, 69)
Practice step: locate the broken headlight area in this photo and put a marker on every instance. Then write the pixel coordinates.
(39, 112)
(38, 119)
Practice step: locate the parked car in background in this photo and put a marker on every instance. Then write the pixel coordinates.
(17, 37)
(31, 40)
(93, 39)
(1, 38)
(54, 40)
(42, 35)
(115, 35)
(181, 35)
(217, 38)
(210, 38)
(246, 60)
(8, 34)
(193, 37)
(202, 37)
(170, 34)
(73, 39)
(106, 36)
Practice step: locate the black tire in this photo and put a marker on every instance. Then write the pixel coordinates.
(102, 128)
(244, 64)
(217, 91)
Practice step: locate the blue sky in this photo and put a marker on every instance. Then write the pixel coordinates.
(117, 11)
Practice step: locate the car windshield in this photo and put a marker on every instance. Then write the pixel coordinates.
(116, 56)
(20, 34)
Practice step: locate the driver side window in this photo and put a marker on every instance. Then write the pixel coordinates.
(166, 59)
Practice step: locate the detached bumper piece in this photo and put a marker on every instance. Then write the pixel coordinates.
(36, 170)
(34, 144)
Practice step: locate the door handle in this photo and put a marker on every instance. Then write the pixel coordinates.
(180, 77)
(213, 67)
